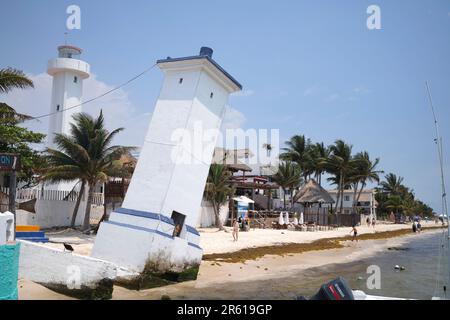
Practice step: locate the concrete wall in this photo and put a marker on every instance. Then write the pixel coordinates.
(54, 213)
(207, 218)
(50, 266)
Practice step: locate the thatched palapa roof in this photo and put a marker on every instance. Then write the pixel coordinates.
(312, 192)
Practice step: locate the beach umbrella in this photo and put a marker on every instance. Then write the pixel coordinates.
(287, 218)
(301, 218)
(295, 221)
(281, 220)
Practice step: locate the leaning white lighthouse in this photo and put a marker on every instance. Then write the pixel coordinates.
(68, 73)
(154, 232)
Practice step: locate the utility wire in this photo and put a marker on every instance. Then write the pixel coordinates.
(98, 97)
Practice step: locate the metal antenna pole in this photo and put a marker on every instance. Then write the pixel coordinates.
(438, 141)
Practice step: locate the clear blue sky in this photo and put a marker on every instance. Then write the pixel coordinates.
(310, 67)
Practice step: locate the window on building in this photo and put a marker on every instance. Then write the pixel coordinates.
(75, 79)
(178, 220)
(347, 198)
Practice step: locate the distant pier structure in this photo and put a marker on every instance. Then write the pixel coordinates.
(153, 232)
(68, 73)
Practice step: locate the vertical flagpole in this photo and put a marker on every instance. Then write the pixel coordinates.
(438, 141)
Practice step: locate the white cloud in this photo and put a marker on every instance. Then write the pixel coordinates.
(233, 119)
(117, 108)
(361, 90)
(244, 93)
(332, 97)
(311, 91)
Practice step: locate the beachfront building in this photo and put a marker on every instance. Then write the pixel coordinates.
(366, 204)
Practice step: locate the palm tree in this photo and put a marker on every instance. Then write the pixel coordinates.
(12, 78)
(392, 185)
(288, 177)
(218, 189)
(298, 151)
(317, 154)
(340, 163)
(365, 172)
(85, 155)
(394, 203)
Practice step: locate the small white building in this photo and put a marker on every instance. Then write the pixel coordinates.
(366, 204)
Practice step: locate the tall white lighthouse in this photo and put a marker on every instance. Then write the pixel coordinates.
(155, 231)
(68, 73)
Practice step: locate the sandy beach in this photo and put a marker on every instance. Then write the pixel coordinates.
(214, 242)
(240, 280)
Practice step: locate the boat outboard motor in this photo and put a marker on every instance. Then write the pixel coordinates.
(337, 289)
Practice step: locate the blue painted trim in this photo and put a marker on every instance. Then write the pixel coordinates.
(156, 216)
(145, 214)
(130, 226)
(125, 225)
(192, 230)
(203, 57)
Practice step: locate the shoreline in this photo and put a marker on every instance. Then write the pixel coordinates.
(271, 276)
(298, 248)
(239, 279)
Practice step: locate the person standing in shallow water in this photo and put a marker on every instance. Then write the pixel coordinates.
(235, 230)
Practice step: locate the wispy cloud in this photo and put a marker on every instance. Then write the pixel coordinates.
(244, 93)
(233, 119)
(332, 97)
(311, 91)
(360, 90)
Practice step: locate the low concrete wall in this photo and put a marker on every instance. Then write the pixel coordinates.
(63, 271)
(56, 213)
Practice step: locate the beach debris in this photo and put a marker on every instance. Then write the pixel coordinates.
(401, 268)
(397, 249)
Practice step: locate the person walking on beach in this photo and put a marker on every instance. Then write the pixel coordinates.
(355, 234)
(368, 222)
(235, 230)
(374, 222)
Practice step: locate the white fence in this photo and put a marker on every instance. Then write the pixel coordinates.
(55, 195)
